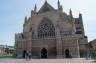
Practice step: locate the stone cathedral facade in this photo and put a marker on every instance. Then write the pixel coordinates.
(51, 33)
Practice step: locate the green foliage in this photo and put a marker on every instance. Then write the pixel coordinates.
(7, 50)
(94, 48)
(94, 61)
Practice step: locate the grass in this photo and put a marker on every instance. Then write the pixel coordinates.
(6, 55)
(94, 61)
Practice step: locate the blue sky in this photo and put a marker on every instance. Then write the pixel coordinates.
(12, 13)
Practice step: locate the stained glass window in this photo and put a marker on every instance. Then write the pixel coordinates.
(46, 29)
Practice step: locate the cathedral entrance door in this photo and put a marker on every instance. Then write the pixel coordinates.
(24, 52)
(67, 55)
(44, 53)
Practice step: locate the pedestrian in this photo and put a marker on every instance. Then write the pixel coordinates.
(30, 55)
(26, 56)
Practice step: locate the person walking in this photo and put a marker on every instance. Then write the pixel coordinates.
(27, 56)
(30, 55)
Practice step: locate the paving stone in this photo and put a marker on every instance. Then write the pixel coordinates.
(74, 60)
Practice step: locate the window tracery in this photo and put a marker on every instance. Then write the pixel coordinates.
(46, 29)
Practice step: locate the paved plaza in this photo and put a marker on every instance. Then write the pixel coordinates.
(74, 60)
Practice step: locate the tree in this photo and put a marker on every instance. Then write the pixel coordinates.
(7, 50)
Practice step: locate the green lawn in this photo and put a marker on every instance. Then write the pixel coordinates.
(8, 55)
(94, 61)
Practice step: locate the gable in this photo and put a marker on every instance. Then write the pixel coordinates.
(46, 7)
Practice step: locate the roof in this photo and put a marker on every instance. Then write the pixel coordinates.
(93, 41)
(46, 7)
(6, 46)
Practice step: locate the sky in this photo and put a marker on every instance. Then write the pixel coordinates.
(12, 13)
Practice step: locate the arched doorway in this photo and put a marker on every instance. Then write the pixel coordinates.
(24, 52)
(44, 53)
(67, 55)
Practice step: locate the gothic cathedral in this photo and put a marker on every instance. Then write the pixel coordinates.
(51, 33)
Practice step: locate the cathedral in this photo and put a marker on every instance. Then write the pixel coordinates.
(52, 33)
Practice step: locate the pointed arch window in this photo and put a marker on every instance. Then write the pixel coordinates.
(46, 29)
